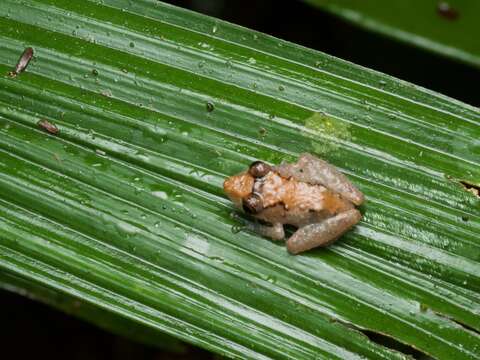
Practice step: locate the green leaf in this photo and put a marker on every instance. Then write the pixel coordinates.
(443, 27)
(124, 208)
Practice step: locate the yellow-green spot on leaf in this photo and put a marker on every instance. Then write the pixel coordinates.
(328, 132)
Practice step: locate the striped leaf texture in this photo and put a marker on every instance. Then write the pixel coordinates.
(123, 208)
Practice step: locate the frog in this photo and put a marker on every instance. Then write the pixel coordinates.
(311, 195)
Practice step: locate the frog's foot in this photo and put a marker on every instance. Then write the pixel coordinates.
(323, 233)
(274, 232)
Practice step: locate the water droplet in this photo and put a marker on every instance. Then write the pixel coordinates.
(126, 229)
(204, 45)
(281, 88)
(236, 229)
(107, 93)
(214, 29)
(160, 194)
(252, 61)
(271, 279)
(132, 44)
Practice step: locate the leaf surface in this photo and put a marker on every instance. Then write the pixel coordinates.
(124, 208)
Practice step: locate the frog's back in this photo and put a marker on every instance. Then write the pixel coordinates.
(297, 203)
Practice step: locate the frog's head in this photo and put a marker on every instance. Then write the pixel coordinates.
(240, 188)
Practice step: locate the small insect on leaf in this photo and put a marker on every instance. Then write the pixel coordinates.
(445, 10)
(48, 127)
(22, 62)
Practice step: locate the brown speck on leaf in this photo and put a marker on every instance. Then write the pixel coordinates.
(22, 62)
(48, 127)
(445, 10)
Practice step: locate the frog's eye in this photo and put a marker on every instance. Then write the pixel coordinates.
(252, 204)
(259, 169)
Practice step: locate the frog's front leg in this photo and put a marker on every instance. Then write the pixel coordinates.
(313, 170)
(274, 232)
(322, 233)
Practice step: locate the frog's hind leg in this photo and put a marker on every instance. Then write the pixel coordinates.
(313, 170)
(322, 233)
(274, 232)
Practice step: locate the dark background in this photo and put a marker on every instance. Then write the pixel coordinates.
(54, 335)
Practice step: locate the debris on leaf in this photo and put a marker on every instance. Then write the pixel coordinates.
(22, 62)
(48, 127)
(474, 189)
(445, 10)
(210, 106)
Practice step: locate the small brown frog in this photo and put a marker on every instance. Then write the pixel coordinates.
(310, 194)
